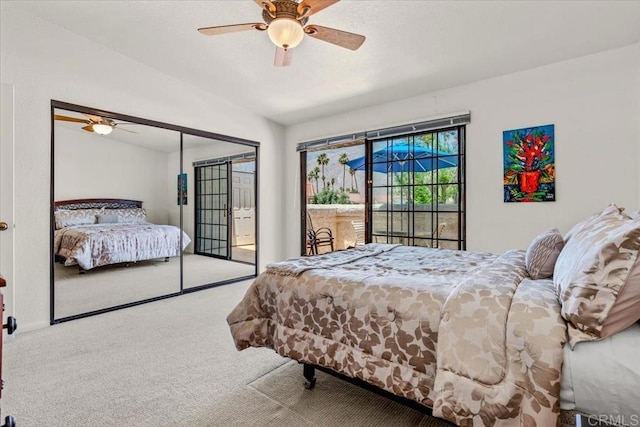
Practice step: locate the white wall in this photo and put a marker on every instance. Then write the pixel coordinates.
(44, 62)
(89, 165)
(637, 115)
(591, 100)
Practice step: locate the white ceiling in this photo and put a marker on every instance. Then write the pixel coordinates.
(412, 46)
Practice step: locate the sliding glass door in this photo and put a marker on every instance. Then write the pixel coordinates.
(213, 211)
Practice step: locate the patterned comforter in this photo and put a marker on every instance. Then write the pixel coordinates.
(467, 334)
(96, 245)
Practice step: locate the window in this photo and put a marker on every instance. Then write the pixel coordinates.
(417, 189)
(413, 182)
(334, 196)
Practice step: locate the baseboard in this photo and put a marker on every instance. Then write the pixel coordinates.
(27, 327)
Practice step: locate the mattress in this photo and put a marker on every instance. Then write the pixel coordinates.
(602, 378)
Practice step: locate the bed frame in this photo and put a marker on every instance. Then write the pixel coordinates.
(69, 205)
(75, 204)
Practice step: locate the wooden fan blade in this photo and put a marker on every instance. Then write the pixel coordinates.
(70, 119)
(283, 57)
(88, 128)
(214, 31)
(338, 37)
(95, 119)
(309, 7)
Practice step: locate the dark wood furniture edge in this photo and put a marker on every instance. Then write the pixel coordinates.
(128, 202)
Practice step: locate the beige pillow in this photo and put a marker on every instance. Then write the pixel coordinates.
(593, 268)
(542, 254)
(129, 215)
(68, 218)
(587, 222)
(626, 310)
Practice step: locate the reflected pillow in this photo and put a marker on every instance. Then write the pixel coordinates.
(68, 218)
(542, 254)
(107, 219)
(78, 220)
(593, 269)
(129, 215)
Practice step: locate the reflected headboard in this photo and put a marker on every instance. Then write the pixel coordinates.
(70, 205)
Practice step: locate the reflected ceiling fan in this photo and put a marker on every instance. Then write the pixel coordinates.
(97, 124)
(284, 22)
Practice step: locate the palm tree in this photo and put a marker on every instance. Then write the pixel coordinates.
(311, 176)
(332, 182)
(352, 172)
(343, 159)
(323, 160)
(316, 175)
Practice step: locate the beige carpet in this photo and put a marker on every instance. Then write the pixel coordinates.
(173, 363)
(246, 253)
(113, 285)
(334, 402)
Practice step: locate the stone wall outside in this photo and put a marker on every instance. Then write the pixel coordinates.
(338, 219)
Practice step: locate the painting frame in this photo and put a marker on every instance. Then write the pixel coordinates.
(182, 196)
(529, 173)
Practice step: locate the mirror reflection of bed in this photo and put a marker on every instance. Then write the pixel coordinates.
(140, 162)
(97, 241)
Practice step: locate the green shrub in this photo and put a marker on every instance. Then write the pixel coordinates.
(331, 197)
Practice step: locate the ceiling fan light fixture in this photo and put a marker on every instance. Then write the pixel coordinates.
(285, 33)
(101, 128)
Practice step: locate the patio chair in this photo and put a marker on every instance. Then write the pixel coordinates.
(318, 238)
(438, 233)
(358, 229)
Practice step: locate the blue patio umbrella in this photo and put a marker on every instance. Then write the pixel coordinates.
(407, 158)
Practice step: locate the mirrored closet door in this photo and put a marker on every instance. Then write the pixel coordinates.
(136, 216)
(222, 218)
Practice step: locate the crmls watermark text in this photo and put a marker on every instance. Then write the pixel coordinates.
(622, 420)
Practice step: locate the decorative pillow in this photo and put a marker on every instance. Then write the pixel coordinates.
(542, 254)
(107, 219)
(592, 269)
(68, 218)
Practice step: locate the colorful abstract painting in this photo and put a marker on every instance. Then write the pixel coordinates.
(182, 189)
(529, 164)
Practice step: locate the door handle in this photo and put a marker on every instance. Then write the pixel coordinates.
(225, 210)
(3, 226)
(11, 325)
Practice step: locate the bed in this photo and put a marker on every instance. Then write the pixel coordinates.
(92, 233)
(479, 338)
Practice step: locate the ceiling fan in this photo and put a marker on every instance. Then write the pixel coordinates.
(97, 124)
(284, 22)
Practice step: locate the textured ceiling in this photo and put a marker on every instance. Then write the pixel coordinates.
(412, 46)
